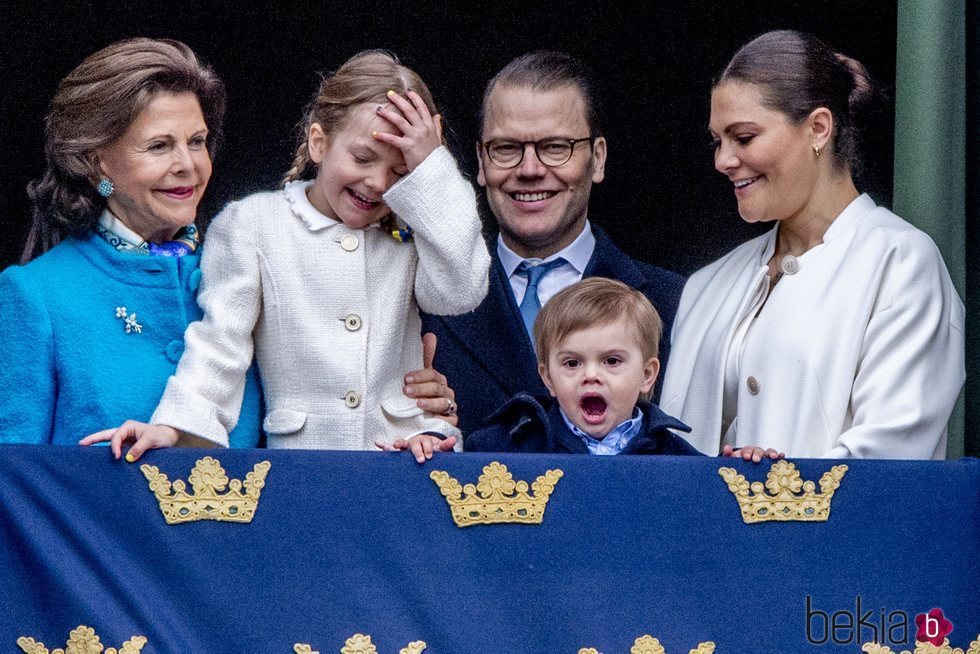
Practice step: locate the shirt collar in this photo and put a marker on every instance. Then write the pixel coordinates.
(577, 253)
(301, 206)
(119, 236)
(615, 441)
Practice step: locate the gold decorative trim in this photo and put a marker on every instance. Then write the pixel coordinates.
(924, 648)
(650, 645)
(209, 500)
(496, 498)
(82, 640)
(791, 498)
(361, 644)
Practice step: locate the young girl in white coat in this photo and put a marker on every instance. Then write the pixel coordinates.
(324, 279)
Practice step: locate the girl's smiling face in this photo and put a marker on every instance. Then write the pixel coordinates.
(354, 169)
(769, 160)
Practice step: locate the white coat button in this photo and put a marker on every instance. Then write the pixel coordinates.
(352, 322)
(790, 265)
(349, 242)
(753, 385)
(352, 399)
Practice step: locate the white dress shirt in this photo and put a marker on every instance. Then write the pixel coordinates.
(576, 255)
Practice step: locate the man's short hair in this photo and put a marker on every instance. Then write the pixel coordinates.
(547, 70)
(596, 301)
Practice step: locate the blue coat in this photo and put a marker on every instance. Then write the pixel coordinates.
(487, 354)
(529, 426)
(68, 366)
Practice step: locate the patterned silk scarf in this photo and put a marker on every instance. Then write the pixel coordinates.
(124, 239)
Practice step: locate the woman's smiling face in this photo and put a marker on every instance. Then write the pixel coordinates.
(769, 159)
(160, 167)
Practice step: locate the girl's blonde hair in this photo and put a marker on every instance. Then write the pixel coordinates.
(365, 77)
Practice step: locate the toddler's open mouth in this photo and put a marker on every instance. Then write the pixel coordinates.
(593, 408)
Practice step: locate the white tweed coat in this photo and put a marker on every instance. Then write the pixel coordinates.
(331, 313)
(858, 354)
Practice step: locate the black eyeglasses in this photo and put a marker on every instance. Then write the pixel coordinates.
(552, 151)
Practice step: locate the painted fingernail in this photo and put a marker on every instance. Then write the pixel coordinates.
(391, 93)
(129, 458)
(374, 133)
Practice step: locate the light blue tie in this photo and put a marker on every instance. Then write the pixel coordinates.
(531, 305)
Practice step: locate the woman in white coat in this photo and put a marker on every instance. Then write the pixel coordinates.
(838, 333)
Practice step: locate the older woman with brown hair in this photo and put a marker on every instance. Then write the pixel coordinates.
(838, 333)
(95, 326)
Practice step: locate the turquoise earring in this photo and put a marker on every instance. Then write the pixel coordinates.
(105, 187)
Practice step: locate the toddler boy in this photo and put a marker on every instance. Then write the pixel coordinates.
(597, 344)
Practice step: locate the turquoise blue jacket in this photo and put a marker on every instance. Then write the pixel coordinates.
(68, 367)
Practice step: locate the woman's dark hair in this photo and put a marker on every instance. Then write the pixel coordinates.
(798, 73)
(92, 108)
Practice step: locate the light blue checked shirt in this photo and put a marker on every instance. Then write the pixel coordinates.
(615, 441)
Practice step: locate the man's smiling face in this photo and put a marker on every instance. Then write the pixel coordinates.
(540, 209)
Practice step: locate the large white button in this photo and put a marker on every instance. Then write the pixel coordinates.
(352, 322)
(753, 385)
(789, 265)
(349, 242)
(352, 399)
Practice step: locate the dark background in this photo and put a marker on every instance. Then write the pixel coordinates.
(661, 201)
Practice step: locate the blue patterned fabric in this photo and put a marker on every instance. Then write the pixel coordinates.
(362, 542)
(121, 237)
(92, 335)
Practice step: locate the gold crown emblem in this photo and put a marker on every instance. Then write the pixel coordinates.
(650, 645)
(791, 498)
(82, 640)
(209, 500)
(496, 498)
(361, 644)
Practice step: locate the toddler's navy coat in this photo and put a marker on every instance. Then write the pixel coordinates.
(528, 425)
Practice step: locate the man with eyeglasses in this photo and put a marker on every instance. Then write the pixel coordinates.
(540, 152)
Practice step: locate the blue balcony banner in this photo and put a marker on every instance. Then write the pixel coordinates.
(346, 546)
